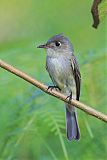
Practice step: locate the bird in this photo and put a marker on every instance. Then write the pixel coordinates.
(64, 72)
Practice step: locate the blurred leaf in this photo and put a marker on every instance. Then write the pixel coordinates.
(103, 10)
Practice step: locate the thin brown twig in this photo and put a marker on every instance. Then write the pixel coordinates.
(54, 93)
(95, 14)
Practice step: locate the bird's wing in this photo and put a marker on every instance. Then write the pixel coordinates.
(77, 75)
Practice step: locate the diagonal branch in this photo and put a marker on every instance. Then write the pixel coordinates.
(54, 93)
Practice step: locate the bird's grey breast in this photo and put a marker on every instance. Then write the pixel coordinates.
(59, 69)
(59, 66)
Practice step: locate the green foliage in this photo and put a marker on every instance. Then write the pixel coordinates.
(32, 124)
(103, 9)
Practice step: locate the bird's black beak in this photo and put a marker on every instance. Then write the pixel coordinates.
(42, 46)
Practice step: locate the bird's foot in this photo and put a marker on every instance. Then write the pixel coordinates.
(69, 97)
(52, 87)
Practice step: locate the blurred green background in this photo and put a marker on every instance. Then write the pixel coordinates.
(32, 124)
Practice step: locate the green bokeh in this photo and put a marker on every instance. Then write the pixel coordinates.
(32, 124)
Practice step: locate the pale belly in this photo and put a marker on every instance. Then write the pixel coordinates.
(61, 74)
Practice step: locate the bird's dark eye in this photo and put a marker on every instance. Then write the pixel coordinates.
(57, 43)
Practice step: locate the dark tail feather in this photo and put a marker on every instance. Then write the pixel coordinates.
(73, 131)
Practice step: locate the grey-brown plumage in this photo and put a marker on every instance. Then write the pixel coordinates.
(63, 69)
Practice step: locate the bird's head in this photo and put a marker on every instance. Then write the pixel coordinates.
(58, 45)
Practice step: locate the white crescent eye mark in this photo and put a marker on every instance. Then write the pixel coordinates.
(57, 43)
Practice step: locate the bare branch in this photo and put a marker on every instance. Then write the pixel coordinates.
(54, 93)
(95, 14)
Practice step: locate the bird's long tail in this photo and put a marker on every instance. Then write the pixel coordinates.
(73, 131)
